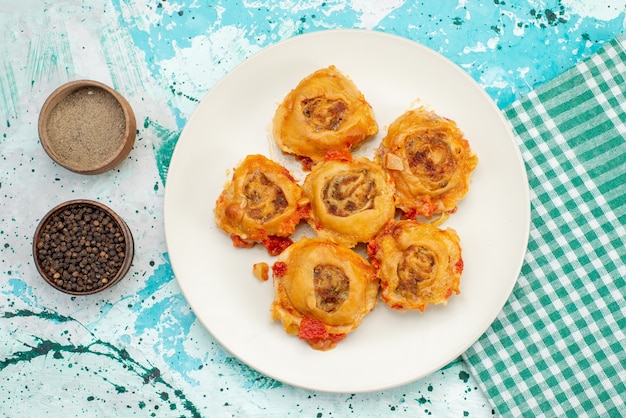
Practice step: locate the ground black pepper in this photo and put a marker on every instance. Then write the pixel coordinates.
(80, 248)
(86, 128)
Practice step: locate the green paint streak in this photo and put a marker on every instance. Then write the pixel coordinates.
(42, 349)
(97, 348)
(9, 93)
(254, 379)
(164, 149)
(176, 92)
(119, 53)
(47, 315)
(48, 57)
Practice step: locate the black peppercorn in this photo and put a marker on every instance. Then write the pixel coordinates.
(80, 248)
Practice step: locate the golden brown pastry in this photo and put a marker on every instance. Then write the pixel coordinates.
(351, 199)
(418, 264)
(262, 203)
(324, 112)
(430, 161)
(322, 291)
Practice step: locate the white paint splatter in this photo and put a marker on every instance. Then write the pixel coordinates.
(294, 6)
(597, 9)
(522, 72)
(227, 46)
(495, 78)
(373, 11)
(287, 28)
(479, 47)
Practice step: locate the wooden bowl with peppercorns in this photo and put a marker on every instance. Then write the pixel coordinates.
(82, 247)
(87, 127)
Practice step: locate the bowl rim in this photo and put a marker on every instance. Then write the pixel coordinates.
(129, 134)
(128, 237)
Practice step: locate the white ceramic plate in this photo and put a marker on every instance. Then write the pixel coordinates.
(389, 348)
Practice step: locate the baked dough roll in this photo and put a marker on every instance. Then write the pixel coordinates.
(418, 264)
(351, 199)
(322, 291)
(324, 112)
(430, 161)
(262, 203)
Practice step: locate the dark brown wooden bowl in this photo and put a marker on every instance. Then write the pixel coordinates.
(80, 144)
(62, 241)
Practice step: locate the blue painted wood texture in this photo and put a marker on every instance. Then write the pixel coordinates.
(137, 349)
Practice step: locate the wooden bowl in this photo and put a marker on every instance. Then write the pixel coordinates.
(82, 247)
(87, 127)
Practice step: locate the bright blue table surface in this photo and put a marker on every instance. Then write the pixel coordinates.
(137, 349)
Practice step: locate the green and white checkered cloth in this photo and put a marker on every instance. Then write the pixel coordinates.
(558, 348)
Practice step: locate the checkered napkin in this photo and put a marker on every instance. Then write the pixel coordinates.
(558, 348)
